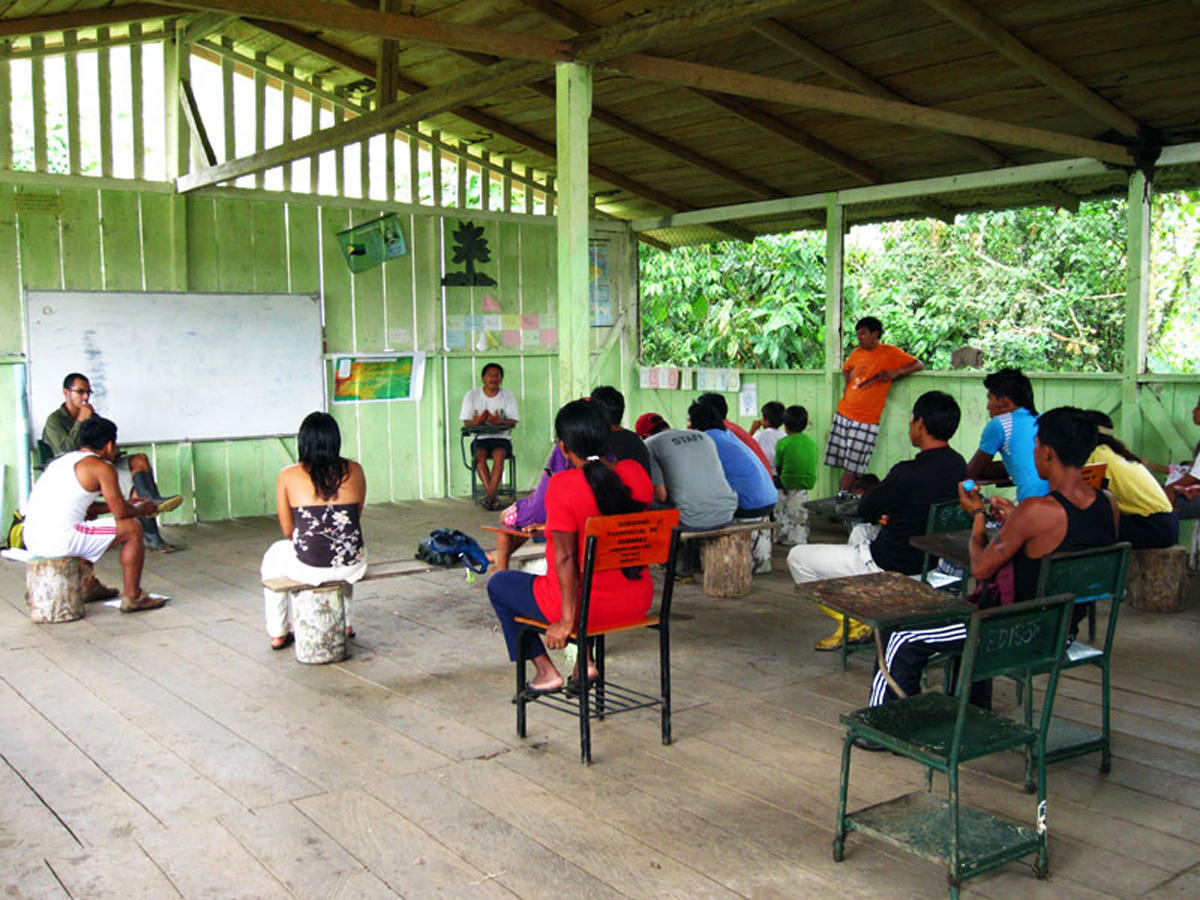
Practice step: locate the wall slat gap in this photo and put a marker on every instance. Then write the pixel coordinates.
(40, 156)
(135, 93)
(104, 85)
(72, 66)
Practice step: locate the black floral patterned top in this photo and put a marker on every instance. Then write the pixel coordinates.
(326, 537)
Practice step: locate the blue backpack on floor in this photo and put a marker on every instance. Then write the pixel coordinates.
(447, 547)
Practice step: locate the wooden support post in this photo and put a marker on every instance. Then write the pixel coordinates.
(175, 67)
(289, 103)
(835, 245)
(54, 589)
(227, 94)
(135, 102)
(414, 169)
(1137, 295)
(260, 117)
(574, 86)
(38, 76)
(314, 165)
(72, 71)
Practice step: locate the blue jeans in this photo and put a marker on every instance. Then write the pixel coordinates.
(511, 594)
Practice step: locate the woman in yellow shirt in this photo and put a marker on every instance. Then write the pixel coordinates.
(1147, 518)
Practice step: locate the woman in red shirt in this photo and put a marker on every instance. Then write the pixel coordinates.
(593, 486)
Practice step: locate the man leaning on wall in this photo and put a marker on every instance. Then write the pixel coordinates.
(134, 473)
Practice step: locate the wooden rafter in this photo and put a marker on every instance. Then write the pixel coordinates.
(830, 64)
(741, 109)
(410, 86)
(413, 29)
(191, 112)
(777, 90)
(92, 18)
(424, 105)
(1046, 71)
(204, 24)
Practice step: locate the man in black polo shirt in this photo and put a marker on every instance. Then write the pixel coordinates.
(900, 506)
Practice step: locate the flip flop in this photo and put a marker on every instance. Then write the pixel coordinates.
(285, 641)
(532, 693)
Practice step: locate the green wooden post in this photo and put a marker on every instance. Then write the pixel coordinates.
(1137, 294)
(574, 107)
(835, 241)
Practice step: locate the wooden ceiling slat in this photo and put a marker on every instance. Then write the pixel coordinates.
(1036, 64)
(30, 25)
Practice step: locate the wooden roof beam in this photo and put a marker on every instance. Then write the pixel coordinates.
(777, 90)
(93, 18)
(204, 24)
(780, 34)
(413, 29)
(424, 105)
(1037, 65)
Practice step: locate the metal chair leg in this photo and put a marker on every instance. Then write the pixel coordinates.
(521, 684)
(664, 674)
(599, 652)
(839, 832)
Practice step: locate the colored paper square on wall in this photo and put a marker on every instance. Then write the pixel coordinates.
(493, 323)
(510, 338)
(511, 323)
(530, 320)
(474, 323)
(456, 339)
(548, 337)
(457, 323)
(490, 303)
(530, 339)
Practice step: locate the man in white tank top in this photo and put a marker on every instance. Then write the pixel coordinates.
(61, 515)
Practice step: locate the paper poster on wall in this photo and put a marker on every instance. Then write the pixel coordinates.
(370, 378)
(748, 399)
(600, 300)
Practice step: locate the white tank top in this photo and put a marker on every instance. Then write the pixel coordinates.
(58, 501)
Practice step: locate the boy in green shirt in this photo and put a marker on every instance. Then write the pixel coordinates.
(796, 465)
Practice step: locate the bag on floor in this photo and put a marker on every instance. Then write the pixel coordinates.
(15, 539)
(450, 548)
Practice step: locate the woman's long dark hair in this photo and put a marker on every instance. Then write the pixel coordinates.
(585, 431)
(320, 446)
(1118, 447)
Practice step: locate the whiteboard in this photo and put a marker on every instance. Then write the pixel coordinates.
(179, 367)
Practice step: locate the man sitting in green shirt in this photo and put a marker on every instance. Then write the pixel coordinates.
(136, 477)
(796, 463)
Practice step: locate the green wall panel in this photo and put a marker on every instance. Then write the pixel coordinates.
(39, 251)
(11, 314)
(80, 249)
(202, 266)
(119, 218)
(158, 251)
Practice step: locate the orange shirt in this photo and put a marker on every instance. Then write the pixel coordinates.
(865, 404)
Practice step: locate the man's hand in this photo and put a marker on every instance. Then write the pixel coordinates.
(970, 501)
(86, 411)
(143, 506)
(557, 634)
(1002, 508)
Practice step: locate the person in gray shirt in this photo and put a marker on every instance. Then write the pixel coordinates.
(687, 474)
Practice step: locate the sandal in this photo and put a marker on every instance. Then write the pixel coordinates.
(280, 642)
(142, 602)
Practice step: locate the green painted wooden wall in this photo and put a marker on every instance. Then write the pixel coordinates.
(244, 242)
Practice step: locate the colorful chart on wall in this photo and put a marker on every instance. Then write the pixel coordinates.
(374, 377)
(598, 284)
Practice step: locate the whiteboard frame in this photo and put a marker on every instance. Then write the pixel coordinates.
(319, 359)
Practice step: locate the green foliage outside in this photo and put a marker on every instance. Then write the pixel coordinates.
(1038, 288)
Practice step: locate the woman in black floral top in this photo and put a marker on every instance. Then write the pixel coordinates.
(319, 501)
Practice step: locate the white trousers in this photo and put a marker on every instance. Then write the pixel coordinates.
(815, 562)
(792, 517)
(280, 562)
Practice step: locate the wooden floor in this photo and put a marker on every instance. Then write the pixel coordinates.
(173, 754)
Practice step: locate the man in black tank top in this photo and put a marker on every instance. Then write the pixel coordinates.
(1072, 517)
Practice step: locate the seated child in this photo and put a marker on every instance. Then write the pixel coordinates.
(771, 433)
(796, 468)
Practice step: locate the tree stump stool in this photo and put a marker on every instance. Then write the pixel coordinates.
(319, 622)
(727, 564)
(54, 589)
(1156, 579)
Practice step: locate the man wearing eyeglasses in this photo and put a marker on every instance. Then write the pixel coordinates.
(134, 473)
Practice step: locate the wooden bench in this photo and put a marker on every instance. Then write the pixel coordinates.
(319, 611)
(1156, 579)
(725, 556)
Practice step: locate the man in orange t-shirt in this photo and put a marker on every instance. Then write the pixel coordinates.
(869, 372)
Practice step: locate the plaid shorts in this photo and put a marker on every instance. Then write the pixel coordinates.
(850, 445)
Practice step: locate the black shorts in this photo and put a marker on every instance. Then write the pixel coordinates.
(489, 444)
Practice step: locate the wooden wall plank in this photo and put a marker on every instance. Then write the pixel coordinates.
(81, 240)
(39, 250)
(304, 247)
(235, 244)
(269, 235)
(210, 472)
(227, 107)
(260, 115)
(72, 70)
(289, 104)
(135, 93)
(252, 470)
(336, 290)
(369, 315)
(119, 218)
(38, 65)
(158, 263)
(203, 267)
(104, 86)
(10, 275)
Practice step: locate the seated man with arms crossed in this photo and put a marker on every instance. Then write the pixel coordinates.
(1072, 517)
(134, 474)
(63, 501)
(900, 504)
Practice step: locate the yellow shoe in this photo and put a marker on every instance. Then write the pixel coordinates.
(860, 633)
(833, 642)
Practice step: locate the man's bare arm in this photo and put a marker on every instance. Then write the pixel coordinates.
(98, 473)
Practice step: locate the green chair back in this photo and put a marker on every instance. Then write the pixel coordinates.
(947, 516)
(1015, 638)
(1094, 574)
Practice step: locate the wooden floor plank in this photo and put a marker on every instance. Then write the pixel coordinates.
(302, 857)
(205, 862)
(29, 831)
(404, 857)
(120, 870)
